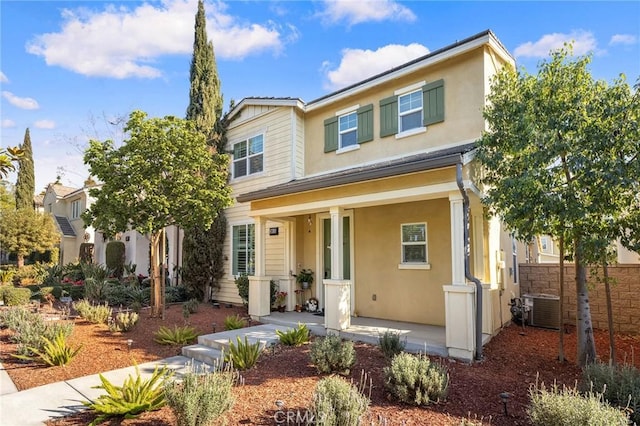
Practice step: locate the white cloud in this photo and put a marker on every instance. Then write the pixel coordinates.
(121, 42)
(45, 124)
(583, 42)
(623, 39)
(6, 123)
(358, 64)
(23, 103)
(356, 12)
(3, 78)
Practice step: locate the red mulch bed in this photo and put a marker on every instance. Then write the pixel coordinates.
(513, 361)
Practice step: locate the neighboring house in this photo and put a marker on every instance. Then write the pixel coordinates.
(67, 204)
(545, 250)
(366, 187)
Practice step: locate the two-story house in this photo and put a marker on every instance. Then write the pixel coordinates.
(368, 187)
(67, 204)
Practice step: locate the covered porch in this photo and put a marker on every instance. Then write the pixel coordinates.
(429, 339)
(354, 229)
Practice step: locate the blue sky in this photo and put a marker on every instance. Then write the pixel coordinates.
(69, 68)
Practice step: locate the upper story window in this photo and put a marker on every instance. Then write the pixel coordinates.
(348, 128)
(248, 156)
(75, 209)
(409, 109)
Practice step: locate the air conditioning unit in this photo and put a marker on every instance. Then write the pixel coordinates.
(544, 310)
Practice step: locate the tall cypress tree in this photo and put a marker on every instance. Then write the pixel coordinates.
(26, 182)
(202, 265)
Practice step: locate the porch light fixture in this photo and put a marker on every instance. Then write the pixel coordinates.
(309, 222)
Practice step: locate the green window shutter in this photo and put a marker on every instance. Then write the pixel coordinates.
(388, 116)
(365, 123)
(433, 102)
(331, 134)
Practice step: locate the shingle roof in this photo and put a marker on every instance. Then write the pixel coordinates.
(410, 164)
(62, 190)
(65, 226)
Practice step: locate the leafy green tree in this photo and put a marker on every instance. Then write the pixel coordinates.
(7, 158)
(7, 199)
(164, 174)
(561, 158)
(26, 183)
(202, 264)
(23, 231)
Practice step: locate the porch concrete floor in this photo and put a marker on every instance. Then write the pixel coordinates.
(430, 339)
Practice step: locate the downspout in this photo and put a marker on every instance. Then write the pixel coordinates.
(467, 267)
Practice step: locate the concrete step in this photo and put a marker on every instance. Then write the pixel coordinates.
(265, 334)
(203, 353)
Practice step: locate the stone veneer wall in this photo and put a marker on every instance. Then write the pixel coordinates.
(625, 293)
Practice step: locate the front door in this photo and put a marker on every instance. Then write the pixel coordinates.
(326, 266)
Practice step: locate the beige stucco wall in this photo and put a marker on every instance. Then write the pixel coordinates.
(464, 95)
(403, 295)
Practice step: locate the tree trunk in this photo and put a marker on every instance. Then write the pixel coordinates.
(586, 348)
(561, 303)
(607, 288)
(156, 284)
(20, 261)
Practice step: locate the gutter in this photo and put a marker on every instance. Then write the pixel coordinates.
(467, 267)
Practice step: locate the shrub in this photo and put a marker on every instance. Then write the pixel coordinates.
(620, 385)
(6, 276)
(243, 355)
(30, 329)
(332, 355)
(55, 351)
(16, 296)
(97, 314)
(234, 322)
(96, 282)
(124, 321)
(242, 282)
(54, 275)
(294, 336)
(568, 407)
(177, 336)
(391, 344)
(414, 379)
(175, 294)
(134, 397)
(138, 294)
(338, 403)
(191, 305)
(202, 397)
(115, 257)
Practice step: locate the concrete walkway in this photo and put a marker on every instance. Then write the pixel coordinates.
(37, 405)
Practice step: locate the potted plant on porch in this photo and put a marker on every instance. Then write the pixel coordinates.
(281, 298)
(305, 278)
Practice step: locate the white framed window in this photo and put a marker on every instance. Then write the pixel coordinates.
(248, 156)
(243, 249)
(413, 241)
(75, 209)
(410, 111)
(348, 129)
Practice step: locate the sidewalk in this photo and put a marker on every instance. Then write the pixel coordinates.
(37, 405)
(33, 407)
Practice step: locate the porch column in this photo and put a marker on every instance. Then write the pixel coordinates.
(459, 297)
(259, 288)
(337, 312)
(457, 239)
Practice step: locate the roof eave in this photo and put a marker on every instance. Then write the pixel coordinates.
(357, 177)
